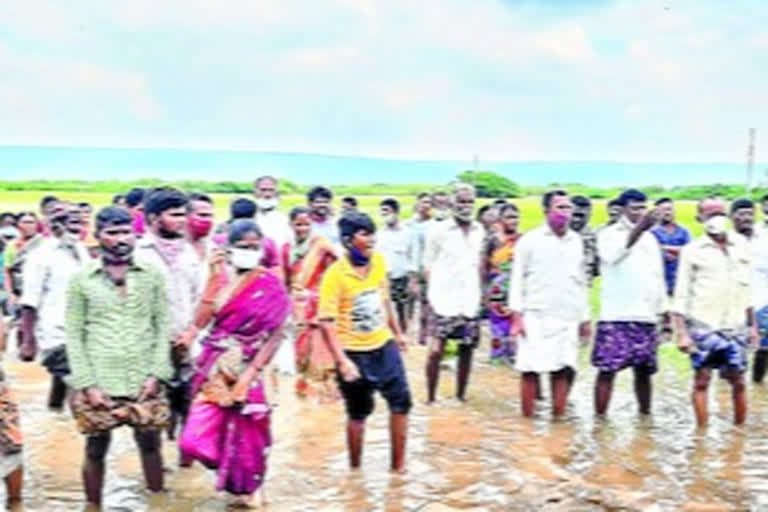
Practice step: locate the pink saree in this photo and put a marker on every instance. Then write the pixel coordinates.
(233, 438)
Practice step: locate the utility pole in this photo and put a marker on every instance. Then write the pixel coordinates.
(750, 159)
(476, 162)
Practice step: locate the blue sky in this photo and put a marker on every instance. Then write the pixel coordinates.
(667, 80)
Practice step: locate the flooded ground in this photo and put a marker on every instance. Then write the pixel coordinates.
(478, 456)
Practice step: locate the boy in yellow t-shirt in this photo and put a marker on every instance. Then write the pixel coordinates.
(358, 319)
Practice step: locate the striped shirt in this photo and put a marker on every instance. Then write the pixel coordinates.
(116, 341)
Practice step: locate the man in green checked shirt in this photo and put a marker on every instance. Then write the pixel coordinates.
(118, 328)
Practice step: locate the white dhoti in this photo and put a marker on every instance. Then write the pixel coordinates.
(551, 344)
(285, 359)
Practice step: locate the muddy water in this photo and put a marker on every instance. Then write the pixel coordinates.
(477, 456)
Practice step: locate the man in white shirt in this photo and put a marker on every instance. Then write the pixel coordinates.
(323, 222)
(633, 298)
(46, 276)
(712, 308)
(419, 225)
(452, 265)
(275, 225)
(165, 248)
(549, 302)
(397, 243)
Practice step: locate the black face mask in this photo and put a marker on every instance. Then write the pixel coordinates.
(118, 254)
(169, 235)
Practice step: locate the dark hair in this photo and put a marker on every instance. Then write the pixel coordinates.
(9, 214)
(631, 195)
(350, 200)
(741, 204)
(546, 201)
(299, 210)
(134, 197)
(85, 205)
(163, 199)
(423, 195)
(499, 202)
(352, 223)
(116, 199)
(483, 210)
(198, 196)
(663, 200)
(319, 193)
(113, 216)
(392, 203)
(26, 214)
(764, 198)
(258, 180)
(241, 227)
(581, 201)
(46, 200)
(242, 208)
(614, 202)
(508, 206)
(441, 193)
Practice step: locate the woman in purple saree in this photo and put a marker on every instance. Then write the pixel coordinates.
(228, 428)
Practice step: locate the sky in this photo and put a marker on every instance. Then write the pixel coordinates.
(625, 80)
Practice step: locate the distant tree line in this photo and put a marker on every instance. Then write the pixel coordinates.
(487, 183)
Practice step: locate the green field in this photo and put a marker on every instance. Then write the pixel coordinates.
(530, 206)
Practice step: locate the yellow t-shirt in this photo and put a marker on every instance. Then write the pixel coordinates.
(356, 304)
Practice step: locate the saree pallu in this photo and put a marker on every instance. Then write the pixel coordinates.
(313, 358)
(230, 437)
(500, 259)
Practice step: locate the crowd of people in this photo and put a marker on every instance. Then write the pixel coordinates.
(152, 316)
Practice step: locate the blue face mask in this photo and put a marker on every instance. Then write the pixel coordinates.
(357, 257)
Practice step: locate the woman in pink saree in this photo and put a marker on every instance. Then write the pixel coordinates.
(228, 428)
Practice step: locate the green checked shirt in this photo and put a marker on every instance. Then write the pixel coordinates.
(115, 341)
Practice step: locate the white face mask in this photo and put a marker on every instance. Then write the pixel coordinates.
(387, 218)
(245, 259)
(716, 225)
(441, 214)
(267, 204)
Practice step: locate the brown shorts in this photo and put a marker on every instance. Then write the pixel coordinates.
(151, 414)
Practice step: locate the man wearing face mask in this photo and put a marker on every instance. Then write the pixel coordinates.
(549, 302)
(419, 225)
(396, 242)
(360, 326)
(46, 275)
(582, 213)
(273, 223)
(200, 218)
(453, 267)
(633, 299)
(712, 308)
(165, 247)
(117, 329)
(323, 223)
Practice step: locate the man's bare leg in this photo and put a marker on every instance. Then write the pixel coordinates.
(398, 434)
(149, 443)
(14, 483)
(739, 394)
(464, 370)
(529, 388)
(561, 385)
(760, 365)
(643, 389)
(603, 392)
(355, 438)
(96, 447)
(433, 368)
(700, 396)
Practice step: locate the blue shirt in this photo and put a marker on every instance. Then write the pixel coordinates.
(677, 238)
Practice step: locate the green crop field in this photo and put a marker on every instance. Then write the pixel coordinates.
(530, 208)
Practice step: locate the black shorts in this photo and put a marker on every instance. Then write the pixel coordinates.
(381, 370)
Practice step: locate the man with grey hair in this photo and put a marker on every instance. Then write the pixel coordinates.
(452, 267)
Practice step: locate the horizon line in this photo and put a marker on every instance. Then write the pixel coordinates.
(361, 156)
